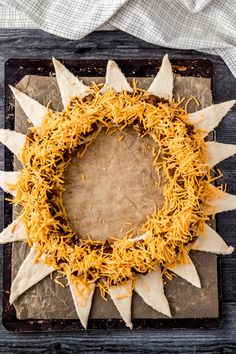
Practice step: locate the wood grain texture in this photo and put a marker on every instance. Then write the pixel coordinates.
(116, 44)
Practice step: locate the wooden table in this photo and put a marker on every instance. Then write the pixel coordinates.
(116, 44)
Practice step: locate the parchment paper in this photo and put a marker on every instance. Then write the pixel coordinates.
(136, 180)
(113, 187)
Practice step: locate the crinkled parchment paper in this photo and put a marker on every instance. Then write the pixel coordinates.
(110, 190)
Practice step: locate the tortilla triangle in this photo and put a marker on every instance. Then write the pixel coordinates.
(13, 140)
(209, 118)
(122, 298)
(69, 85)
(220, 202)
(210, 241)
(150, 288)
(13, 232)
(163, 83)
(82, 306)
(115, 79)
(187, 271)
(217, 152)
(8, 181)
(29, 274)
(34, 110)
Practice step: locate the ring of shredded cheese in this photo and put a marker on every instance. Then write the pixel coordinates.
(170, 230)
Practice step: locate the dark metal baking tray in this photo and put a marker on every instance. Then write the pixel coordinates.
(15, 70)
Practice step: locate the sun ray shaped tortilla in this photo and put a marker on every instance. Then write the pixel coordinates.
(221, 202)
(13, 140)
(13, 232)
(121, 295)
(187, 271)
(8, 181)
(210, 117)
(210, 241)
(217, 152)
(150, 285)
(29, 274)
(150, 288)
(82, 306)
(34, 110)
(69, 85)
(163, 84)
(115, 79)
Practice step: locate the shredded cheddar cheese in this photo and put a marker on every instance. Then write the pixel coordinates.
(181, 155)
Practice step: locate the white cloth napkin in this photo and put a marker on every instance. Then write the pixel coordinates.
(204, 25)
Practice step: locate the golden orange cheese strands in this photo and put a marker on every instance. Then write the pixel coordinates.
(180, 154)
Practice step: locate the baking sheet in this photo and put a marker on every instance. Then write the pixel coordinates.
(48, 300)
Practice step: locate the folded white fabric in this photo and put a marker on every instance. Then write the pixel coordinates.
(204, 25)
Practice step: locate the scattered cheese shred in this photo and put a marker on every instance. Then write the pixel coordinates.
(181, 156)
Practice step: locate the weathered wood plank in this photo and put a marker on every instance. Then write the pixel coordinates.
(221, 340)
(115, 44)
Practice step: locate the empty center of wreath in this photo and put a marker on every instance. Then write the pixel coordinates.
(113, 187)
